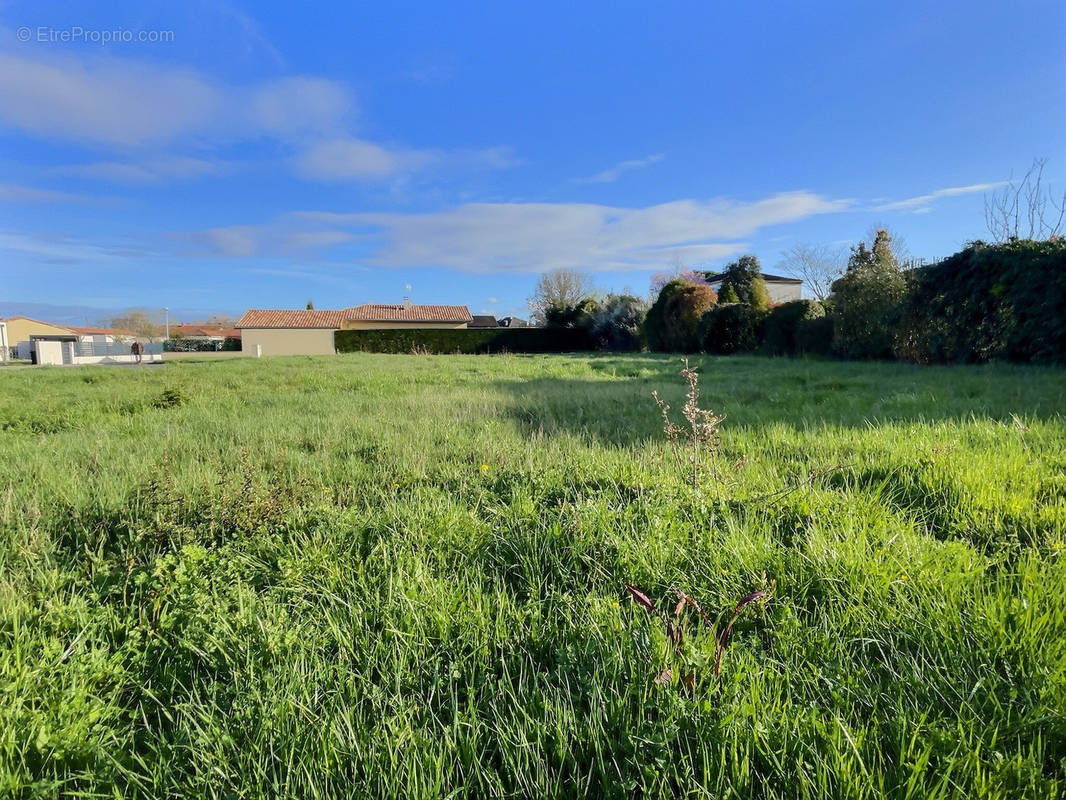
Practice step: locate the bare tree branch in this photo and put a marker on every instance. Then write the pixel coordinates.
(1025, 209)
(559, 288)
(817, 264)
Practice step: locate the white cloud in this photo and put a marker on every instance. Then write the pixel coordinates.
(612, 174)
(249, 241)
(13, 193)
(300, 106)
(923, 203)
(127, 103)
(315, 240)
(349, 158)
(532, 237)
(104, 100)
(234, 241)
(54, 248)
(136, 106)
(148, 170)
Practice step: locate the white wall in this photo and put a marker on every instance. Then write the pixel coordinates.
(783, 292)
(49, 352)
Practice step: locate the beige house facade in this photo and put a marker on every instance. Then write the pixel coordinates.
(781, 288)
(291, 332)
(20, 331)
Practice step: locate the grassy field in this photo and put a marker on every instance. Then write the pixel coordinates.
(405, 576)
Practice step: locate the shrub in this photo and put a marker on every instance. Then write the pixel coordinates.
(728, 295)
(760, 295)
(866, 301)
(179, 344)
(579, 315)
(654, 328)
(739, 280)
(672, 324)
(463, 340)
(617, 321)
(782, 326)
(1004, 301)
(171, 398)
(814, 337)
(732, 328)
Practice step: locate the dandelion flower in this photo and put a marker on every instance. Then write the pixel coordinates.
(484, 467)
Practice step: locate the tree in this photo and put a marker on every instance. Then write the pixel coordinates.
(760, 295)
(617, 321)
(559, 289)
(672, 324)
(728, 295)
(866, 300)
(310, 305)
(222, 320)
(139, 321)
(1025, 209)
(740, 275)
(660, 279)
(817, 265)
(577, 316)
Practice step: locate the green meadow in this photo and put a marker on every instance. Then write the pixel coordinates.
(405, 576)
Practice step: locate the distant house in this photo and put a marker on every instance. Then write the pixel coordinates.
(513, 322)
(23, 331)
(204, 332)
(104, 335)
(45, 343)
(274, 332)
(483, 321)
(780, 288)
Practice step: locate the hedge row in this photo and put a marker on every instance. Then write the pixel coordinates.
(988, 302)
(200, 345)
(463, 340)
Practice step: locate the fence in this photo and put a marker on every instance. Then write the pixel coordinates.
(104, 349)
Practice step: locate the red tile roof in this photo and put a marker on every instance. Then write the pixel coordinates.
(368, 312)
(203, 329)
(281, 318)
(376, 312)
(102, 331)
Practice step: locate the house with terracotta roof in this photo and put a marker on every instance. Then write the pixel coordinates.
(204, 331)
(103, 335)
(273, 332)
(22, 332)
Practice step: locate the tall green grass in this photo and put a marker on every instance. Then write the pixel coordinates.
(404, 576)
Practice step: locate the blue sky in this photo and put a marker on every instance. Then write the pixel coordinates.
(273, 153)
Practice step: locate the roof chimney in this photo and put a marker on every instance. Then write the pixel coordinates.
(407, 302)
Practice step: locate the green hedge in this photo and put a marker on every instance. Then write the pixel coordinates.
(988, 302)
(781, 335)
(732, 328)
(463, 340)
(199, 345)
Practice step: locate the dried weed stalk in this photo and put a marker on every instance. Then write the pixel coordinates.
(698, 437)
